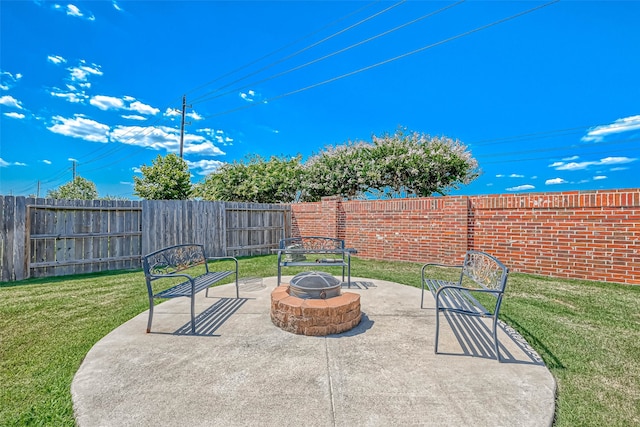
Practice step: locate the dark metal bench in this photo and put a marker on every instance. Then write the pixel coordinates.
(314, 251)
(180, 261)
(480, 274)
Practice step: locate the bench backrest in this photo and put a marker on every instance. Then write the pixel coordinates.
(312, 243)
(484, 270)
(173, 259)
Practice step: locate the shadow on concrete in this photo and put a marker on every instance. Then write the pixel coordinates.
(359, 284)
(208, 322)
(364, 325)
(475, 339)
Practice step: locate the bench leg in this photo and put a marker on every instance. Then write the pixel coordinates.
(435, 348)
(279, 273)
(193, 314)
(495, 338)
(150, 315)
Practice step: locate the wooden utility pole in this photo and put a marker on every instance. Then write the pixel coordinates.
(184, 107)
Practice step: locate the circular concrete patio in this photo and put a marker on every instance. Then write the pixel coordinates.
(240, 369)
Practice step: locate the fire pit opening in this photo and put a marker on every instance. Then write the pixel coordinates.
(314, 285)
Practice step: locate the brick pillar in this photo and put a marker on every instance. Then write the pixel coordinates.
(330, 216)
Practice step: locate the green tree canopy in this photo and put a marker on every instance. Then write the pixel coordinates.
(78, 189)
(167, 179)
(255, 180)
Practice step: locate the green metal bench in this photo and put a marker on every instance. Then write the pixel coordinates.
(314, 251)
(179, 261)
(480, 273)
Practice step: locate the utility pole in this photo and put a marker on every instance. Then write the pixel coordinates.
(38, 190)
(74, 170)
(182, 123)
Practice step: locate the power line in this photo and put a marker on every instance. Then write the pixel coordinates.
(198, 99)
(360, 43)
(404, 55)
(279, 49)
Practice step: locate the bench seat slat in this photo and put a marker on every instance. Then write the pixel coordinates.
(456, 299)
(202, 282)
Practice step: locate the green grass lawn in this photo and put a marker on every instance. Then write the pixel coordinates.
(588, 334)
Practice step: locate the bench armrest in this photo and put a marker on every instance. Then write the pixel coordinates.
(432, 264)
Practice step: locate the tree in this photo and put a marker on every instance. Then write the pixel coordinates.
(78, 189)
(398, 165)
(167, 179)
(255, 180)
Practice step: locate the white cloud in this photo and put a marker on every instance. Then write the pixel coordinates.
(568, 159)
(73, 10)
(136, 170)
(4, 163)
(8, 80)
(172, 112)
(74, 97)
(56, 59)
(164, 138)
(515, 175)
(14, 115)
(116, 6)
(158, 138)
(249, 96)
(106, 102)
(143, 108)
(521, 188)
(10, 101)
(573, 166)
(195, 116)
(80, 127)
(133, 117)
(204, 167)
(218, 136)
(196, 144)
(499, 176)
(599, 133)
(46, 162)
(81, 72)
(555, 181)
(175, 112)
(599, 177)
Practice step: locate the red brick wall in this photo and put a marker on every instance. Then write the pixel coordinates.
(590, 235)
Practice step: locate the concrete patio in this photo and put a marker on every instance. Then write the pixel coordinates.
(241, 370)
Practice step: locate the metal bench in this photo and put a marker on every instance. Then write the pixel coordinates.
(314, 251)
(480, 274)
(182, 261)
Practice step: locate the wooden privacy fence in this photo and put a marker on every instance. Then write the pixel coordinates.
(48, 237)
(224, 228)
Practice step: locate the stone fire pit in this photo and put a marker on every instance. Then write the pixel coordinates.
(314, 306)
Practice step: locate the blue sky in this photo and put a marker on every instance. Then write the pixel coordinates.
(546, 101)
